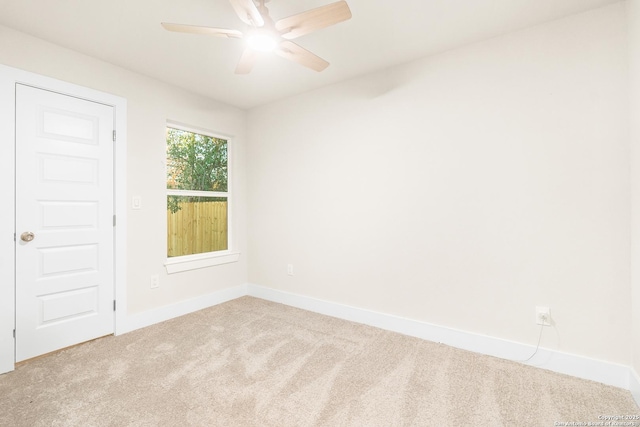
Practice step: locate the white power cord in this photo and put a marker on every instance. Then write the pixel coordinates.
(537, 347)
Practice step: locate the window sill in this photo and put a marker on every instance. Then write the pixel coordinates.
(193, 262)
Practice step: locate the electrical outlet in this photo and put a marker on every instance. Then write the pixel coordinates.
(290, 269)
(543, 316)
(155, 281)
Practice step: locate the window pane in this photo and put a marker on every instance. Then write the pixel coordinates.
(196, 162)
(196, 225)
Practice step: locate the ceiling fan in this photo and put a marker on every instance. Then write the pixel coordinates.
(267, 35)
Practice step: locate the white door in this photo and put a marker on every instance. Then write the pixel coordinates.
(64, 203)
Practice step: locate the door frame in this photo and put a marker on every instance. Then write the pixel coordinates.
(9, 77)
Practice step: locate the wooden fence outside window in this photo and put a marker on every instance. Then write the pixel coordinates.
(197, 227)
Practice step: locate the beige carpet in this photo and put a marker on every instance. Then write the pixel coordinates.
(254, 363)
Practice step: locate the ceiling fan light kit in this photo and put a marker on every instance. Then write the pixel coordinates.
(265, 35)
(264, 41)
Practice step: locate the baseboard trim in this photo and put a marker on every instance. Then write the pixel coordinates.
(570, 364)
(151, 317)
(634, 386)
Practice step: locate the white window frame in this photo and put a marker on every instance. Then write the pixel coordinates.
(208, 259)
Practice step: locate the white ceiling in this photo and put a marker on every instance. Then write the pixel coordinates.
(379, 35)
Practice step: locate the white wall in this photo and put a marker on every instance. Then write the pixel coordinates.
(461, 190)
(150, 104)
(633, 10)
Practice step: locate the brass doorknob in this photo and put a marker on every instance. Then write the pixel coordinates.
(27, 236)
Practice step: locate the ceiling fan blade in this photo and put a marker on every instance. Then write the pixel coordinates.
(247, 60)
(314, 19)
(293, 52)
(247, 12)
(194, 29)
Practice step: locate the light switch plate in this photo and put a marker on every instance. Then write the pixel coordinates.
(136, 202)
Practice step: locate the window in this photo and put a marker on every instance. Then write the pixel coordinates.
(197, 194)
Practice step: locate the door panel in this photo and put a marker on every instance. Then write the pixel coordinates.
(64, 196)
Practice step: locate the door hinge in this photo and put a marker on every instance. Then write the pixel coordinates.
(14, 334)
(114, 220)
(14, 237)
(114, 305)
(114, 136)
